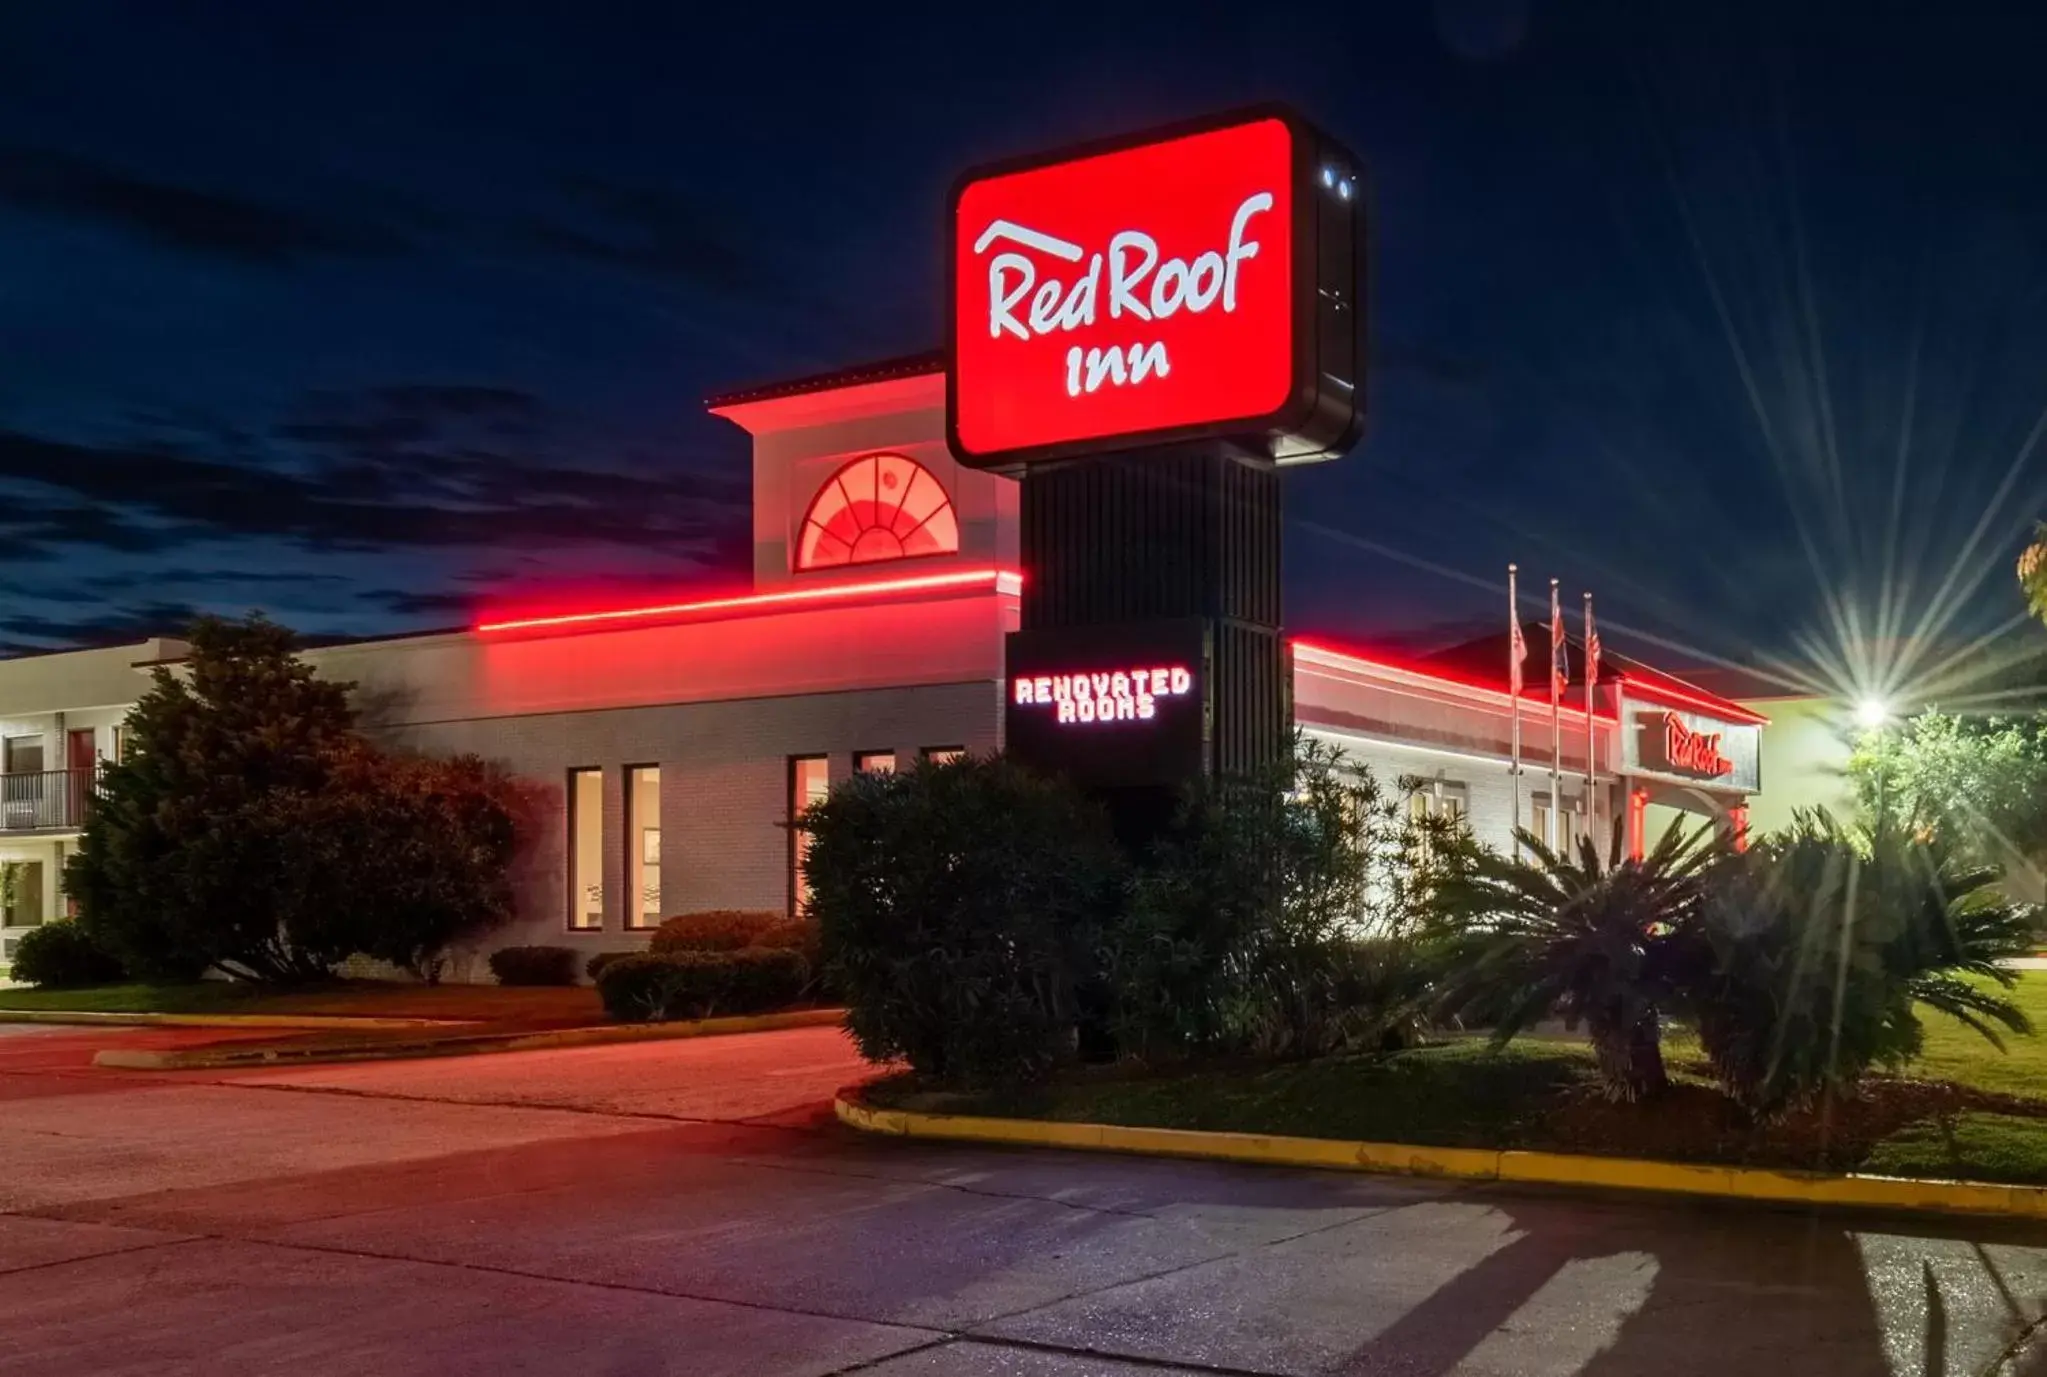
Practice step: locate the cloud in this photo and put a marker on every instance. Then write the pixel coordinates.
(419, 467)
(407, 603)
(210, 223)
(27, 633)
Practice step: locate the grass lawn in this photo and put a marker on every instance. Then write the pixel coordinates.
(341, 998)
(1967, 1110)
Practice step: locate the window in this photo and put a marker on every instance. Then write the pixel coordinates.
(586, 850)
(875, 762)
(809, 782)
(1566, 821)
(22, 755)
(120, 742)
(944, 755)
(877, 508)
(21, 894)
(1439, 798)
(643, 846)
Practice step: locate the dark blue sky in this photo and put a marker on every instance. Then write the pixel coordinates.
(1736, 315)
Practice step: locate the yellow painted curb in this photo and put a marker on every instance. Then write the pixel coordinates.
(306, 1022)
(453, 1044)
(1466, 1164)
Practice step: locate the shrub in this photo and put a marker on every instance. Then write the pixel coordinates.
(1812, 952)
(63, 954)
(717, 929)
(960, 905)
(596, 965)
(533, 965)
(657, 986)
(1595, 942)
(1244, 928)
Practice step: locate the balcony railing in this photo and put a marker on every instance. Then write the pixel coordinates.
(46, 800)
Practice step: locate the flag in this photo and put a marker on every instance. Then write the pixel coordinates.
(1591, 646)
(1517, 644)
(1559, 651)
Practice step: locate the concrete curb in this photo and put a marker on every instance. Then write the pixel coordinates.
(453, 1045)
(306, 1022)
(1466, 1164)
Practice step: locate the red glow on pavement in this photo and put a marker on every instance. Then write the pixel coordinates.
(1001, 580)
(1432, 672)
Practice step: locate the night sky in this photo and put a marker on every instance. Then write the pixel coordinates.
(370, 315)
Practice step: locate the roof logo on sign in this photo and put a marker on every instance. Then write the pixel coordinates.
(1139, 286)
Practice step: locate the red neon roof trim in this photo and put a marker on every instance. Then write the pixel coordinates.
(1004, 580)
(1432, 672)
(1660, 690)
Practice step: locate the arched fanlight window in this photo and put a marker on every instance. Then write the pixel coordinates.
(881, 507)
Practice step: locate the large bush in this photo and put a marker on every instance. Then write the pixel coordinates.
(960, 906)
(657, 986)
(1597, 941)
(422, 849)
(1811, 955)
(250, 829)
(62, 954)
(1269, 918)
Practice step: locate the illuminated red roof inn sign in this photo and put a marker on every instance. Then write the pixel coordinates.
(1200, 282)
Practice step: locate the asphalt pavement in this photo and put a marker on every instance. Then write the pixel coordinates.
(691, 1208)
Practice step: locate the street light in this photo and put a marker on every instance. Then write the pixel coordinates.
(1872, 713)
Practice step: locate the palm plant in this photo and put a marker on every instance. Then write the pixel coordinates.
(1811, 957)
(1584, 938)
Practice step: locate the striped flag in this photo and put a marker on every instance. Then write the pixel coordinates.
(1559, 651)
(1591, 646)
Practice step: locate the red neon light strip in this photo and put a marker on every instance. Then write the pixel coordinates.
(1005, 580)
(1657, 692)
(1436, 676)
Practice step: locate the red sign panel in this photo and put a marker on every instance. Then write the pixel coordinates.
(1165, 288)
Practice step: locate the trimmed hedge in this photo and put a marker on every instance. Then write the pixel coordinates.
(594, 967)
(717, 929)
(62, 954)
(533, 965)
(659, 986)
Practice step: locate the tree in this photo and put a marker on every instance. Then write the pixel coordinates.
(2033, 572)
(252, 830)
(1590, 940)
(1981, 784)
(400, 856)
(182, 857)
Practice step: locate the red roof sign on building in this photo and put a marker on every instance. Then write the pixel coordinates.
(1180, 285)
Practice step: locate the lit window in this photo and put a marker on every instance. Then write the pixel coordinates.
(877, 508)
(120, 741)
(809, 782)
(944, 755)
(875, 762)
(22, 891)
(643, 846)
(586, 850)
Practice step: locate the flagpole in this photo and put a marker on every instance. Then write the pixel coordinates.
(1557, 657)
(1515, 650)
(1591, 740)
